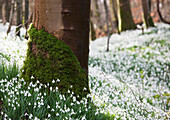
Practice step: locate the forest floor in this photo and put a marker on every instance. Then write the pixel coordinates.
(131, 81)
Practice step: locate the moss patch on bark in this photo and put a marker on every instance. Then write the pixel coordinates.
(50, 59)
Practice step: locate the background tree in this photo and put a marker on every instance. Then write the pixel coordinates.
(146, 14)
(59, 25)
(5, 11)
(19, 16)
(160, 14)
(125, 19)
(26, 15)
(113, 10)
(1, 1)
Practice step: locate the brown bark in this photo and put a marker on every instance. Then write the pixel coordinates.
(1, 2)
(160, 15)
(96, 18)
(107, 20)
(125, 18)
(146, 14)
(68, 20)
(114, 12)
(11, 16)
(19, 21)
(26, 15)
(5, 11)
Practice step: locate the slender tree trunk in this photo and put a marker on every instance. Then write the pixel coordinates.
(5, 11)
(11, 16)
(146, 14)
(26, 15)
(61, 25)
(96, 17)
(160, 15)
(19, 21)
(113, 5)
(125, 18)
(1, 2)
(107, 20)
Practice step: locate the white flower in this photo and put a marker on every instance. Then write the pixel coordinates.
(57, 114)
(58, 80)
(68, 91)
(36, 118)
(51, 88)
(29, 94)
(53, 81)
(85, 89)
(48, 106)
(49, 115)
(30, 116)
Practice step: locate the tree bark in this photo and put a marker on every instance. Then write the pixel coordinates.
(113, 5)
(26, 15)
(19, 21)
(58, 47)
(107, 20)
(1, 2)
(160, 15)
(125, 18)
(68, 22)
(5, 11)
(146, 14)
(96, 17)
(11, 16)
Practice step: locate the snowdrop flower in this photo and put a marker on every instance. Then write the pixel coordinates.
(68, 91)
(57, 114)
(51, 88)
(48, 106)
(30, 116)
(58, 80)
(85, 89)
(36, 118)
(53, 81)
(49, 115)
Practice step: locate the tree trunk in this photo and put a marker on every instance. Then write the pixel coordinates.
(146, 14)
(96, 18)
(1, 2)
(59, 25)
(19, 21)
(26, 15)
(11, 16)
(107, 20)
(160, 15)
(113, 5)
(125, 18)
(5, 11)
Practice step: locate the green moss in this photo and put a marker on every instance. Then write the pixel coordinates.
(50, 59)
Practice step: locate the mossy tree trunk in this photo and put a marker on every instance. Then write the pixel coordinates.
(146, 14)
(125, 19)
(59, 45)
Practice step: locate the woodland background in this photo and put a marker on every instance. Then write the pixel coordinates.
(24, 8)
